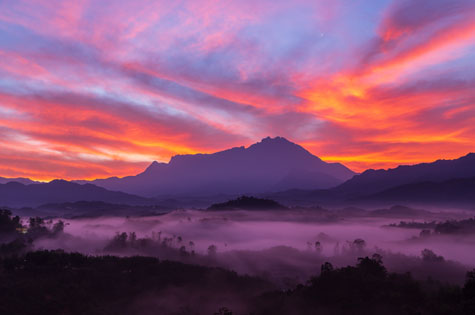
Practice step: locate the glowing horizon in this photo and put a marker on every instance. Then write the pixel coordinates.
(98, 89)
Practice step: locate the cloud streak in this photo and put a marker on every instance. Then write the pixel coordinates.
(95, 89)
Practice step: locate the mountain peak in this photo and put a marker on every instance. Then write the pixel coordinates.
(275, 141)
(279, 145)
(153, 166)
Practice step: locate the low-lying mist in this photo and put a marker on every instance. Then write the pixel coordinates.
(286, 247)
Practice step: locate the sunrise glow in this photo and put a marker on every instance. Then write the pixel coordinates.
(92, 89)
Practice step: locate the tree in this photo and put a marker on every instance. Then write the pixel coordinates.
(118, 242)
(469, 287)
(224, 311)
(378, 258)
(326, 267)
(132, 238)
(212, 249)
(318, 247)
(372, 266)
(359, 244)
(58, 227)
(336, 249)
(429, 256)
(8, 224)
(183, 251)
(469, 292)
(37, 228)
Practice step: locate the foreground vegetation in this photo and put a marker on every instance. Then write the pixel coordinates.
(55, 282)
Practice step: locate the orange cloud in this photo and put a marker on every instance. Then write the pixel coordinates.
(87, 92)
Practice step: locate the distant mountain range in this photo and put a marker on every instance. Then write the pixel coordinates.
(373, 181)
(274, 164)
(14, 194)
(274, 168)
(443, 182)
(457, 191)
(21, 180)
(90, 209)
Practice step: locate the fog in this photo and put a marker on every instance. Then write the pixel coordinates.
(277, 245)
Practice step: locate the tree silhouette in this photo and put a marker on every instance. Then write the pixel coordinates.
(429, 256)
(326, 267)
(224, 311)
(359, 244)
(212, 249)
(58, 228)
(8, 224)
(318, 247)
(469, 292)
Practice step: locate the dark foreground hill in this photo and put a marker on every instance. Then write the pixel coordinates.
(60, 283)
(55, 282)
(248, 203)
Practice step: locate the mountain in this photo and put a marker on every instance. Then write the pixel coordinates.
(373, 181)
(14, 194)
(443, 181)
(270, 165)
(21, 180)
(459, 191)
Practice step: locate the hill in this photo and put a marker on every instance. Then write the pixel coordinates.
(248, 203)
(14, 194)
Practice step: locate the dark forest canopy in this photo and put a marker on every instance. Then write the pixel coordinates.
(56, 282)
(15, 237)
(248, 203)
(448, 227)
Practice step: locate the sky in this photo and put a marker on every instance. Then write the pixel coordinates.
(92, 89)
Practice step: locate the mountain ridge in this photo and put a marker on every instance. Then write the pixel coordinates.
(373, 181)
(21, 180)
(452, 179)
(259, 168)
(456, 191)
(14, 194)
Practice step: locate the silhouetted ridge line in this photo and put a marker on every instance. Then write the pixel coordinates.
(248, 203)
(273, 164)
(453, 191)
(14, 194)
(373, 181)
